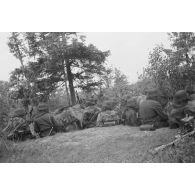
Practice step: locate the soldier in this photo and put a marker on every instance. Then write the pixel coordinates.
(69, 119)
(190, 90)
(190, 107)
(180, 101)
(151, 112)
(44, 122)
(90, 114)
(17, 125)
(130, 114)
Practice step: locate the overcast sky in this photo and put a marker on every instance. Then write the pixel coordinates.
(129, 51)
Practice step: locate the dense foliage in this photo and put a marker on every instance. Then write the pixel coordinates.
(6, 103)
(173, 69)
(52, 60)
(61, 68)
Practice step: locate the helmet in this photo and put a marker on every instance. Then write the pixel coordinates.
(190, 89)
(132, 103)
(180, 96)
(154, 93)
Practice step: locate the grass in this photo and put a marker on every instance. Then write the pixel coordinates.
(98, 145)
(182, 152)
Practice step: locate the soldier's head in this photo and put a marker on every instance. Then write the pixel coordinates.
(43, 107)
(190, 89)
(19, 112)
(180, 97)
(153, 94)
(156, 94)
(132, 103)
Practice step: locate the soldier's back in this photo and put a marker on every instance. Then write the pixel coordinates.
(43, 121)
(147, 109)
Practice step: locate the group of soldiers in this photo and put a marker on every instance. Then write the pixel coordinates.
(155, 110)
(149, 112)
(41, 123)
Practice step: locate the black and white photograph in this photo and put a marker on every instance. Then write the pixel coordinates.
(72, 97)
(97, 97)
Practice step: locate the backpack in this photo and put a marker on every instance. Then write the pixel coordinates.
(108, 118)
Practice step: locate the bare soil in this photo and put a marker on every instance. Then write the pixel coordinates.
(114, 144)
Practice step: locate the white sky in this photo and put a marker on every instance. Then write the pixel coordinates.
(129, 51)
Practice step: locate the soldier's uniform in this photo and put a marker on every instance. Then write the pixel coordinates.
(67, 120)
(44, 122)
(190, 107)
(180, 101)
(16, 123)
(130, 114)
(151, 111)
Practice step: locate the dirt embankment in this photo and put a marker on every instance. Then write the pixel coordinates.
(106, 144)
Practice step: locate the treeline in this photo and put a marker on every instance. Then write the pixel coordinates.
(60, 65)
(172, 69)
(62, 69)
(58, 68)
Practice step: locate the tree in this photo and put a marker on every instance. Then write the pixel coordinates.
(64, 58)
(158, 71)
(173, 69)
(21, 77)
(107, 77)
(182, 56)
(120, 84)
(5, 103)
(39, 85)
(141, 87)
(80, 61)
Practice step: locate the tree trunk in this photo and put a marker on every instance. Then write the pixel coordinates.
(70, 81)
(66, 86)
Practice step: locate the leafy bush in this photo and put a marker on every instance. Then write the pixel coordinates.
(172, 69)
